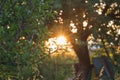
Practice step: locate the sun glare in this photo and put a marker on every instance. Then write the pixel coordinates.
(54, 44)
(61, 40)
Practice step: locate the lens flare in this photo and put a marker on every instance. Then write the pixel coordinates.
(61, 40)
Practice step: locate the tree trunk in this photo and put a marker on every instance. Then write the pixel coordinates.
(83, 67)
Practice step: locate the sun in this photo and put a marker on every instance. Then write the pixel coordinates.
(61, 40)
(56, 44)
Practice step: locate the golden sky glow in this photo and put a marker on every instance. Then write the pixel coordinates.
(85, 23)
(73, 27)
(119, 31)
(59, 45)
(56, 43)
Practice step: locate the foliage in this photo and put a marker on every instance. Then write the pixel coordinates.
(58, 66)
(117, 66)
(22, 32)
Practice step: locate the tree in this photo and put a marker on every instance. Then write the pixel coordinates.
(79, 19)
(22, 32)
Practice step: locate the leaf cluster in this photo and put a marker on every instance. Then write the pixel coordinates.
(22, 32)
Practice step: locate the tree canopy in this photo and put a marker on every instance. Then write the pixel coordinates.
(82, 18)
(22, 32)
(26, 24)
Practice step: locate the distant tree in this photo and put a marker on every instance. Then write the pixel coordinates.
(79, 19)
